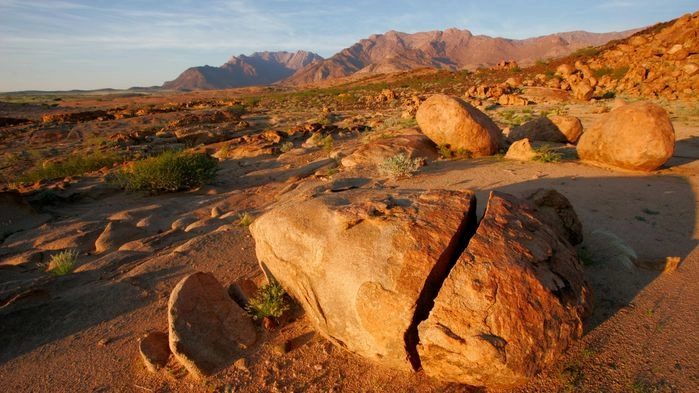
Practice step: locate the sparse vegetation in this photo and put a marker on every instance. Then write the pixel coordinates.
(168, 172)
(63, 263)
(447, 153)
(245, 219)
(286, 146)
(73, 165)
(614, 73)
(327, 143)
(400, 165)
(588, 51)
(269, 302)
(546, 154)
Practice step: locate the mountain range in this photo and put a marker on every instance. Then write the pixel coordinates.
(393, 51)
(260, 68)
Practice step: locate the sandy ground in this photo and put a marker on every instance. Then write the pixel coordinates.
(79, 333)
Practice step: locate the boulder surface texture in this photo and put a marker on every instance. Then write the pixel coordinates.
(637, 137)
(454, 123)
(409, 279)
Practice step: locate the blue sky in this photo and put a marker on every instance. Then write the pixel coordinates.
(90, 44)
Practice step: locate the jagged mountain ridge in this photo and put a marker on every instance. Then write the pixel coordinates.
(260, 68)
(449, 49)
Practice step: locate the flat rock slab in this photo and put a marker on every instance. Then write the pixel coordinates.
(155, 350)
(207, 329)
(511, 305)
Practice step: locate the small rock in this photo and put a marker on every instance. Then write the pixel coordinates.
(215, 212)
(521, 150)
(154, 350)
(282, 348)
(241, 364)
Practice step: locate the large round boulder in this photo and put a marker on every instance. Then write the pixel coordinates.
(452, 122)
(635, 136)
(511, 305)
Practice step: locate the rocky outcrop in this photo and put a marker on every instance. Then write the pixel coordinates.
(207, 329)
(512, 303)
(368, 267)
(365, 261)
(453, 123)
(637, 136)
(409, 142)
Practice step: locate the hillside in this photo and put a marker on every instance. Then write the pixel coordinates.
(451, 49)
(261, 68)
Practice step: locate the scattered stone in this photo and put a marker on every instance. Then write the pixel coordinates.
(154, 350)
(207, 329)
(521, 150)
(637, 136)
(241, 364)
(450, 121)
(540, 129)
(215, 212)
(282, 348)
(570, 126)
(511, 305)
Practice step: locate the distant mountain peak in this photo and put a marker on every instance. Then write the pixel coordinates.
(259, 68)
(448, 49)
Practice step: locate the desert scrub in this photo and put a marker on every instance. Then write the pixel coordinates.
(73, 165)
(168, 172)
(546, 154)
(63, 263)
(244, 219)
(268, 302)
(400, 165)
(446, 152)
(286, 146)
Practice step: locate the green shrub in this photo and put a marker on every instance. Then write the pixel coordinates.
(63, 263)
(168, 172)
(588, 51)
(244, 219)
(446, 152)
(546, 154)
(73, 165)
(269, 302)
(400, 165)
(286, 146)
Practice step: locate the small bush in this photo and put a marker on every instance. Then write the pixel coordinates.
(168, 172)
(400, 165)
(269, 302)
(586, 52)
(546, 154)
(73, 165)
(244, 219)
(446, 152)
(63, 263)
(286, 146)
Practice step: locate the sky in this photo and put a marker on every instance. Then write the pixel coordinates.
(92, 44)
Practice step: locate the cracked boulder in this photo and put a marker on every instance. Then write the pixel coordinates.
(510, 306)
(365, 264)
